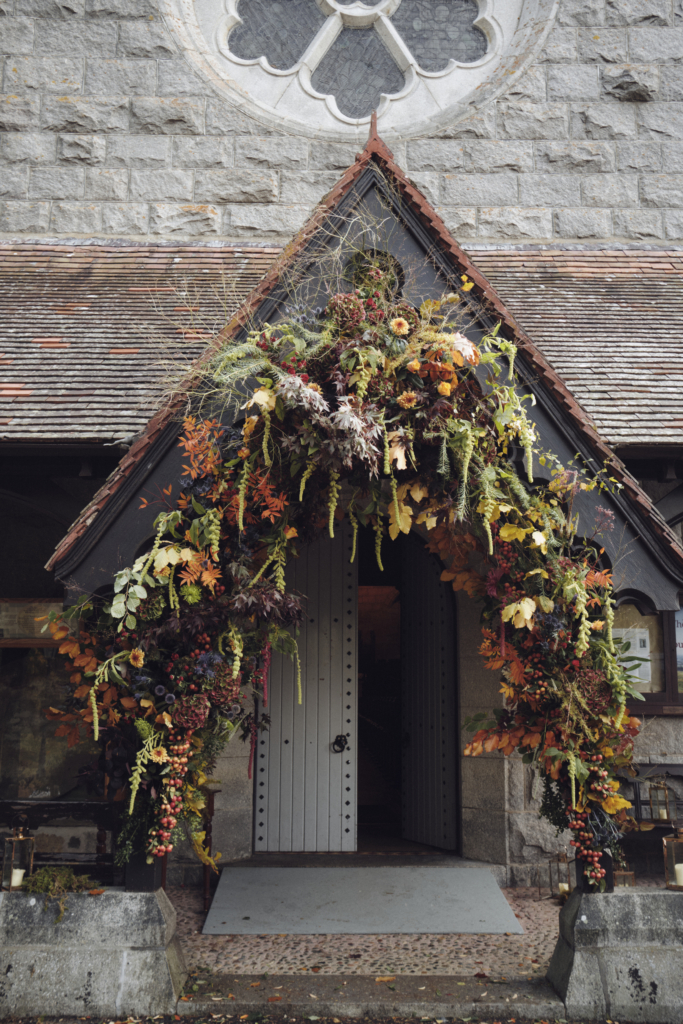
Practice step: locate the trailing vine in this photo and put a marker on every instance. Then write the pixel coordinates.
(374, 410)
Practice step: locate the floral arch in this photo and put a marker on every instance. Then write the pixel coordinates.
(369, 409)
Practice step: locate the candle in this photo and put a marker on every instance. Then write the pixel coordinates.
(17, 877)
(679, 874)
(564, 886)
(662, 813)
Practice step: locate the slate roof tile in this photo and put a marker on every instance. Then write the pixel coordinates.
(88, 333)
(610, 322)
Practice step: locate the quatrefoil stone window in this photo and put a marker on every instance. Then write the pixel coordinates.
(320, 67)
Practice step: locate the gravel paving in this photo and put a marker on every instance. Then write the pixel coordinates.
(510, 956)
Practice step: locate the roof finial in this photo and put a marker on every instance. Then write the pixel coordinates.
(374, 143)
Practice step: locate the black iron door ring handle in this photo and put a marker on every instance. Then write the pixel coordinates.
(340, 743)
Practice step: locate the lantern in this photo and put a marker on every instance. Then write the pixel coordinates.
(673, 858)
(625, 879)
(659, 802)
(17, 860)
(558, 875)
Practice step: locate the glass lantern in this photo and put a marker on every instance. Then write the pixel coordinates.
(659, 802)
(18, 859)
(624, 879)
(559, 875)
(673, 858)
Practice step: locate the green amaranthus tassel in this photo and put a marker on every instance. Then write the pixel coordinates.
(242, 495)
(335, 491)
(308, 473)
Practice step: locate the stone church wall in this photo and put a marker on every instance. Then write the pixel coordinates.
(108, 133)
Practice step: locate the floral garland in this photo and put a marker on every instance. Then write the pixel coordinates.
(369, 409)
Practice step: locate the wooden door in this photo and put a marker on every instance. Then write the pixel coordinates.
(306, 791)
(428, 679)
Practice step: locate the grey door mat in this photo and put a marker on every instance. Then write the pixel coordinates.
(335, 995)
(359, 901)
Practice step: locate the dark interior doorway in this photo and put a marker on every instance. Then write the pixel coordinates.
(407, 738)
(379, 696)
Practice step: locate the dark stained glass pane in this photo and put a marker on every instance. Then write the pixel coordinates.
(357, 69)
(277, 29)
(437, 30)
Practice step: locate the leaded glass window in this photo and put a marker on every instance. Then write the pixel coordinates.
(358, 53)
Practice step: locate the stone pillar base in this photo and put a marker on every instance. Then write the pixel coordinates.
(619, 955)
(114, 955)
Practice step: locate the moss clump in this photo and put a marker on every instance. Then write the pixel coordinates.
(57, 883)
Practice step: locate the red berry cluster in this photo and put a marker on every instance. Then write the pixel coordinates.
(584, 845)
(507, 556)
(181, 670)
(171, 801)
(600, 776)
(293, 365)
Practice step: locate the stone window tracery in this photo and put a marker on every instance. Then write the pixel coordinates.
(355, 53)
(318, 68)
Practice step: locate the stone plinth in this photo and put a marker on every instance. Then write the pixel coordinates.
(112, 955)
(619, 955)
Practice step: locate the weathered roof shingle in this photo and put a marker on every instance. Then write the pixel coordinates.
(87, 333)
(610, 323)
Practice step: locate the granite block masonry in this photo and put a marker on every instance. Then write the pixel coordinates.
(619, 956)
(107, 85)
(112, 955)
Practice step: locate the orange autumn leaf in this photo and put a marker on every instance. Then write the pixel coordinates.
(492, 743)
(531, 739)
(82, 691)
(517, 671)
(129, 703)
(71, 647)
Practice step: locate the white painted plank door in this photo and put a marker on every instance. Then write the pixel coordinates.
(305, 792)
(428, 679)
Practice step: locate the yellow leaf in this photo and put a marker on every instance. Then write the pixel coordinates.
(430, 306)
(404, 522)
(418, 491)
(544, 603)
(614, 803)
(397, 452)
(540, 541)
(265, 398)
(521, 613)
(510, 532)
(537, 572)
(167, 556)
